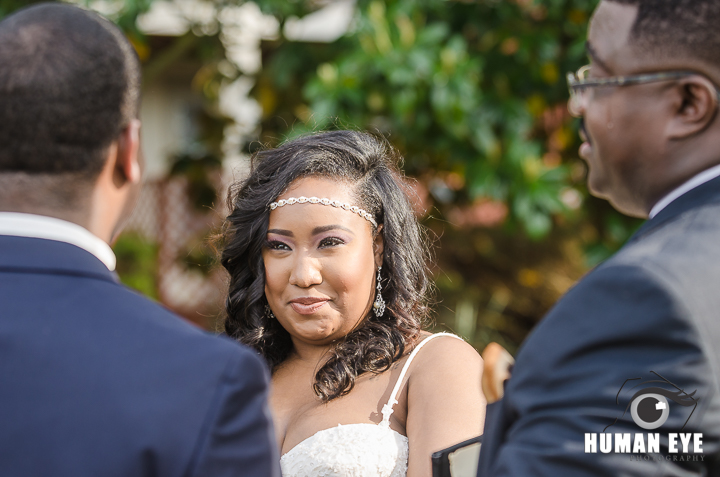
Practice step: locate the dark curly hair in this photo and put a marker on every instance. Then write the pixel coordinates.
(371, 166)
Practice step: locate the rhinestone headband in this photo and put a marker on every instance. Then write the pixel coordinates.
(324, 201)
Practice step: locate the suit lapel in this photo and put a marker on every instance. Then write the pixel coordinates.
(703, 194)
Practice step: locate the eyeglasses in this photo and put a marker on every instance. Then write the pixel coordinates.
(579, 84)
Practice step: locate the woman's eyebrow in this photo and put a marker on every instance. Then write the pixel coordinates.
(286, 233)
(325, 228)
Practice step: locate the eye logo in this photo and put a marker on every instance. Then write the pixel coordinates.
(651, 401)
(649, 407)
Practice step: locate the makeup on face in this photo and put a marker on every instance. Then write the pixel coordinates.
(319, 263)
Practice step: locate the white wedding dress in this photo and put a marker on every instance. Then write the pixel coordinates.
(355, 450)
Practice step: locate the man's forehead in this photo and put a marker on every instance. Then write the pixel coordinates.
(609, 32)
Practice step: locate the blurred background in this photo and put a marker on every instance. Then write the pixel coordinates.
(472, 93)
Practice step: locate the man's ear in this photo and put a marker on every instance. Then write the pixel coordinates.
(695, 107)
(127, 164)
(379, 246)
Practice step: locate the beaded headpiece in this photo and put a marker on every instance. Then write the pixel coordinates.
(324, 201)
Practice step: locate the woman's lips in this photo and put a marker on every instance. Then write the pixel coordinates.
(307, 306)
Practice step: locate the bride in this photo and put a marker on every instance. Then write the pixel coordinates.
(328, 283)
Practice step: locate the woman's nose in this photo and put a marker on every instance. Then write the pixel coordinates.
(305, 272)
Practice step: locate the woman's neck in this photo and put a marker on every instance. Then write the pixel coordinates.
(310, 355)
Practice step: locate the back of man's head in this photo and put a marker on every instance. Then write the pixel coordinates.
(69, 84)
(671, 28)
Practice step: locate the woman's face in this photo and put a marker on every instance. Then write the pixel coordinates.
(320, 263)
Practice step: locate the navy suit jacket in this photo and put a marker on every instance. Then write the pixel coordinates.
(96, 380)
(654, 306)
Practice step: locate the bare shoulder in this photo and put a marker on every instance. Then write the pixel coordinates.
(446, 355)
(445, 400)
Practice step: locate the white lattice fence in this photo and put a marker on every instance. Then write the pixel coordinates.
(165, 216)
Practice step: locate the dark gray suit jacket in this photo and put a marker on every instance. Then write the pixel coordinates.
(654, 306)
(96, 380)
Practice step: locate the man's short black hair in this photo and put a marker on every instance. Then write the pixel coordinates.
(677, 28)
(69, 84)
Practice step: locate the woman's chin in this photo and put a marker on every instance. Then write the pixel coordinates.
(315, 333)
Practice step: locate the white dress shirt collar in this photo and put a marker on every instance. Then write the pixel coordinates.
(42, 227)
(705, 176)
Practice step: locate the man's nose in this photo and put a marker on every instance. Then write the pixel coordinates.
(305, 272)
(576, 104)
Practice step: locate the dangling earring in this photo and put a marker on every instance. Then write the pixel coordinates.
(379, 305)
(269, 313)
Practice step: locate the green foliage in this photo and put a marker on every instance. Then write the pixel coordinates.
(199, 170)
(137, 263)
(9, 6)
(200, 257)
(458, 88)
(284, 9)
(473, 96)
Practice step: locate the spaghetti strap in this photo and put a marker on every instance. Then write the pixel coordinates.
(387, 409)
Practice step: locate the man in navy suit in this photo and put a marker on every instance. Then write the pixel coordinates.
(95, 380)
(623, 375)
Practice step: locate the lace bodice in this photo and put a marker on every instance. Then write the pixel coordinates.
(355, 450)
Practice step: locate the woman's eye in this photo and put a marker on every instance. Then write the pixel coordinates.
(330, 242)
(277, 245)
